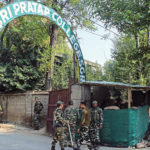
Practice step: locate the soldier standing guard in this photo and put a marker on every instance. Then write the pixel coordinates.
(72, 115)
(38, 107)
(83, 129)
(58, 123)
(96, 124)
(1, 113)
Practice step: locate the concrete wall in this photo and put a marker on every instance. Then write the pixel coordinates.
(18, 108)
(80, 93)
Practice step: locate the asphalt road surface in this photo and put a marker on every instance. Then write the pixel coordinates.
(28, 141)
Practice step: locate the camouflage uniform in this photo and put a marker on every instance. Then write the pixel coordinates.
(96, 121)
(1, 113)
(72, 115)
(38, 107)
(58, 123)
(37, 118)
(84, 127)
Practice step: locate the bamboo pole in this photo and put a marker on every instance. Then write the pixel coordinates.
(129, 97)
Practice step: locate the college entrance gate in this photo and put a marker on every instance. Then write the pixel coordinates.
(21, 8)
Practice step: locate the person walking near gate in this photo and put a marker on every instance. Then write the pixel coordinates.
(58, 123)
(96, 124)
(72, 115)
(83, 129)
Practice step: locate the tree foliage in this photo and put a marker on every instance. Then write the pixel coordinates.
(93, 73)
(26, 42)
(130, 56)
(129, 64)
(19, 55)
(127, 16)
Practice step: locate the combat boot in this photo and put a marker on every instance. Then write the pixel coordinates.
(53, 148)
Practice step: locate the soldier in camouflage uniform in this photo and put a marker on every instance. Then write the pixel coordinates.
(72, 115)
(38, 107)
(58, 123)
(83, 129)
(96, 124)
(1, 113)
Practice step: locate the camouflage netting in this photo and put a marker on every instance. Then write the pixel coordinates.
(125, 127)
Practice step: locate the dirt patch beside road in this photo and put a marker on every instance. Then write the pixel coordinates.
(5, 128)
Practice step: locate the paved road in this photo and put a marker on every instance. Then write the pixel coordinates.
(28, 141)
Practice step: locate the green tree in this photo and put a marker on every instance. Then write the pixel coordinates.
(41, 36)
(131, 52)
(129, 65)
(63, 66)
(19, 54)
(127, 16)
(93, 73)
(76, 14)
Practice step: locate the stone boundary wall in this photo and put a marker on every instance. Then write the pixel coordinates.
(18, 107)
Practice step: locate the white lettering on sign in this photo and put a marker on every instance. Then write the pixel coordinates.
(63, 26)
(54, 15)
(1, 24)
(46, 11)
(81, 63)
(40, 10)
(16, 8)
(10, 13)
(76, 46)
(59, 21)
(34, 7)
(79, 54)
(23, 7)
(68, 32)
(82, 78)
(72, 39)
(4, 15)
(82, 70)
(30, 8)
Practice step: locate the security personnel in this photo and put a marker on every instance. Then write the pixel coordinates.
(38, 107)
(1, 113)
(96, 124)
(58, 123)
(83, 129)
(72, 115)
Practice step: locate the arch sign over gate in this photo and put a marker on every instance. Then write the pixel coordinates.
(21, 8)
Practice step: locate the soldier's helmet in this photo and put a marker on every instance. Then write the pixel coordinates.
(36, 98)
(60, 102)
(94, 102)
